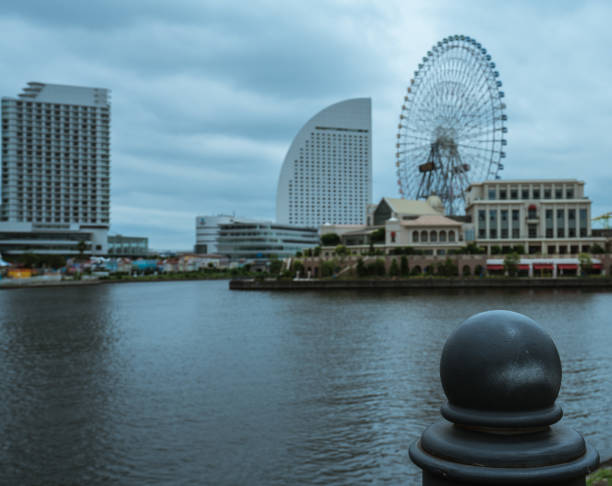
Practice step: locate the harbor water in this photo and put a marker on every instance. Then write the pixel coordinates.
(180, 383)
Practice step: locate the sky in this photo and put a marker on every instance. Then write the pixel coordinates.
(207, 96)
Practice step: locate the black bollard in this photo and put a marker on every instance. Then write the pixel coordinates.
(501, 374)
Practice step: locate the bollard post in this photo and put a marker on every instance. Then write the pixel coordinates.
(501, 374)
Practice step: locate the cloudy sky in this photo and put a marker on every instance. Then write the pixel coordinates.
(207, 96)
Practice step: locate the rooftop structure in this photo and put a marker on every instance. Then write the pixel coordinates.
(326, 176)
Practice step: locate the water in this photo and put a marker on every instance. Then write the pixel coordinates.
(189, 383)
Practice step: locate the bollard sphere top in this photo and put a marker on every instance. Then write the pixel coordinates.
(501, 369)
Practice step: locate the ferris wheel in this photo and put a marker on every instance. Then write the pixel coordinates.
(452, 123)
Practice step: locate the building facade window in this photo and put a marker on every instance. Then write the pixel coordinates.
(571, 223)
(504, 223)
(560, 223)
(493, 223)
(516, 223)
(549, 223)
(415, 236)
(532, 230)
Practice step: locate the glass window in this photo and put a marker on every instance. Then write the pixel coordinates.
(569, 193)
(524, 193)
(547, 193)
(558, 193)
(513, 193)
(532, 230)
(491, 194)
(433, 236)
(502, 194)
(536, 193)
(415, 236)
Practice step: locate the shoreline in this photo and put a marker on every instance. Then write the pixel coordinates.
(87, 282)
(423, 283)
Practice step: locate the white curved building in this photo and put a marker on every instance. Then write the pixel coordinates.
(327, 173)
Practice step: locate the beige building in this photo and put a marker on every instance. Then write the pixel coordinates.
(546, 217)
(434, 234)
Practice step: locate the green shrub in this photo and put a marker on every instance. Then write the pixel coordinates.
(330, 239)
(394, 268)
(404, 265)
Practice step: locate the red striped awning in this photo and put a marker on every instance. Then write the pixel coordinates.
(567, 266)
(524, 266)
(596, 266)
(495, 267)
(543, 266)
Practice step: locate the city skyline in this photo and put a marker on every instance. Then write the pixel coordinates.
(207, 98)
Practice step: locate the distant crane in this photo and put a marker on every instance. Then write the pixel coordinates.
(605, 219)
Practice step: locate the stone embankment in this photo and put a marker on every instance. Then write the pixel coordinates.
(422, 283)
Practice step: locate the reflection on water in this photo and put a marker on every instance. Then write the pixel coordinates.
(189, 383)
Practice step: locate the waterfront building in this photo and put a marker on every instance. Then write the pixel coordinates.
(207, 232)
(242, 239)
(326, 176)
(545, 217)
(55, 180)
(432, 234)
(120, 245)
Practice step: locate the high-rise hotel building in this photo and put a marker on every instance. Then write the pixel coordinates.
(55, 185)
(327, 173)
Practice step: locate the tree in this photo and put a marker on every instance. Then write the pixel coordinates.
(596, 249)
(317, 251)
(362, 271)
(297, 268)
(404, 265)
(586, 264)
(473, 249)
(330, 239)
(30, 260)
(307, 252)
(495, 250)
(81, 246)
(394, 269)
(328, 268)
(466, 271)
(520, 249)
(511, 264)
(377, 235)
(379, 267)
(448, 268)
(341, 250)
(275, 266)
(298, 254)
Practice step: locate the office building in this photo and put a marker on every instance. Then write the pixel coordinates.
(546, 217)
(251, 240)
(55, 169)
(207, 233)
(326, 176)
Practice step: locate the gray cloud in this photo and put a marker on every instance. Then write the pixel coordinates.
(208, 95)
